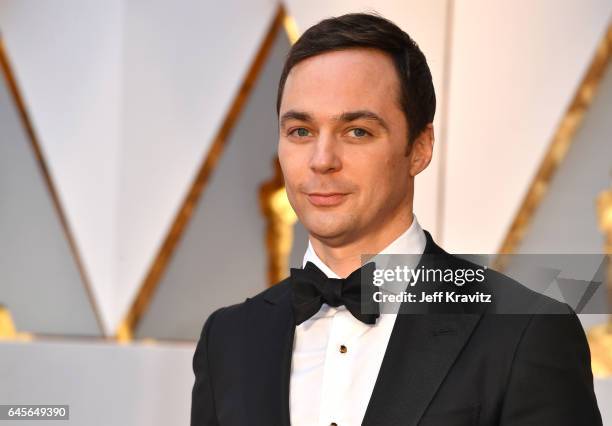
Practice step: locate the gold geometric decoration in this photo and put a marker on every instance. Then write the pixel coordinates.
(291, 28)
(125, 331)
(7, 328)
(557, 149)
(7, 71)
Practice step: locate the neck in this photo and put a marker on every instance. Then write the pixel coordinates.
(346, 258)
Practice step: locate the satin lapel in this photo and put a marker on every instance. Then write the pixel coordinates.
(270, 330)
(421, 350)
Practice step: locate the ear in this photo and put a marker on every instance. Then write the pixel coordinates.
(422, 150)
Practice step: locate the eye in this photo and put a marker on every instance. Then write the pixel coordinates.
(300, 132)
(359, 132)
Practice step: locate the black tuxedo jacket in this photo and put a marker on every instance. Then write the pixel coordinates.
(451, 369)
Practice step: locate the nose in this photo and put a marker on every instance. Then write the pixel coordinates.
(325, 156)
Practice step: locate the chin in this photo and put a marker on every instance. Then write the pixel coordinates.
(328, 230)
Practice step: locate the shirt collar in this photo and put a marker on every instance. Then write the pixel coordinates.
(411, 241)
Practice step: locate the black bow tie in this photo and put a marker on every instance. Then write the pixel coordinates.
(312, 288)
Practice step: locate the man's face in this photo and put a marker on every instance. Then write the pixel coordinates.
(342, 132)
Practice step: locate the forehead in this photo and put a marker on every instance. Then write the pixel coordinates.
(358, 78)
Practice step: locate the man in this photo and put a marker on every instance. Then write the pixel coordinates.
(356, 104)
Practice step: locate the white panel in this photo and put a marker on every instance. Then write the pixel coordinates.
(566, 220)
(515, 67)
(126, 97)
(40, 283)
(104, 384)
(184, 62)
(227, 231)
(425, 22)
(66, 55)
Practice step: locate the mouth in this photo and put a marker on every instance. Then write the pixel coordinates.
(329, 199)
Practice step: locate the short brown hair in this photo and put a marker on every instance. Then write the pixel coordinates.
(353, 30)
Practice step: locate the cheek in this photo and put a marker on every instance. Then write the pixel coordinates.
(292, 172)
(373, 169)
(286, 163)
(382, 178)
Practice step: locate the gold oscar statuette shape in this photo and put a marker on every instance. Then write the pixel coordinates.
(280, 220)
(600, 336)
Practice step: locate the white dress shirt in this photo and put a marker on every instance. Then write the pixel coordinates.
(332, 385)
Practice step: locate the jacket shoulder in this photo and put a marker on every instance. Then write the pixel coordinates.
(230, 316)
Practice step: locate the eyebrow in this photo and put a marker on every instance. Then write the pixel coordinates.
(295, 115)
(345, 117)
(363, 115)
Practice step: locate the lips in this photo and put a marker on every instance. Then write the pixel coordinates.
(329, 199)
